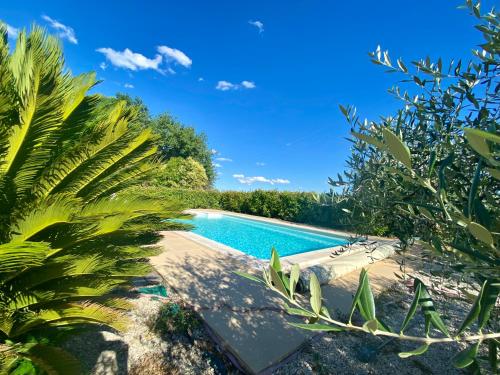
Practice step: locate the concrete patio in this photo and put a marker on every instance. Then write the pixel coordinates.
(248, 320)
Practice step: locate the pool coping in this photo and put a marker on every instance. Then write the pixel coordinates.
(321, 260)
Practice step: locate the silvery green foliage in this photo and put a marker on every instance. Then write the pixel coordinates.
(430, 171)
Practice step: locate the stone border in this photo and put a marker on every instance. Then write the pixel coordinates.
(320, 261)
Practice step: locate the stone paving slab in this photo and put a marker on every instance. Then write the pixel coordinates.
(248, 319)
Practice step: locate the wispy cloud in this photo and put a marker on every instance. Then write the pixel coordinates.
(11, 31)
(247, 180)
(128, 86)
(63, 31)
(248, 84)
(201, 79)
(103, 65)
(226, 85)
(223, 159)
(214, 151)
(173, 54)
(260, 164)
(258, 24)
(131, 60)
(217, 165)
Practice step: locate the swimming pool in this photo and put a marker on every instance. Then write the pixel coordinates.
(257, 238)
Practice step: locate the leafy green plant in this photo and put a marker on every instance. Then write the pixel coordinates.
(175, 318)
(68, 236)
(182, 173)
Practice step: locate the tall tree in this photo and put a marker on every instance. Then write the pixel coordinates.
(178, 140)
(174, 138)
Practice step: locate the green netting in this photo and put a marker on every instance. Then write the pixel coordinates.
(157, 290)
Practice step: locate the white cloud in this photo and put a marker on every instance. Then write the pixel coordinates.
(128, 86)
(223, 159)
(248, 84)
(250, 180)
(201, 79)
(130, 60)
(258, 24)
(260, 164)
(217, 165)
(103, 65)
(214, 151)
(175, 55)
(63, 31)
(11, 31)
(226, 85)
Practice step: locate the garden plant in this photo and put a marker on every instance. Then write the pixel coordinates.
(69, 236)
(431, 173)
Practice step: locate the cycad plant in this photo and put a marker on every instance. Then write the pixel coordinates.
(69, 234)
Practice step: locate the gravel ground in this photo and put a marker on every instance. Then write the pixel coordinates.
(148, 349)
(144, 349)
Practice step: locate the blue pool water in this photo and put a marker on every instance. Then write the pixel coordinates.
(257, 238)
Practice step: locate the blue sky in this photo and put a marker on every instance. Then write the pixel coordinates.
(263, 79)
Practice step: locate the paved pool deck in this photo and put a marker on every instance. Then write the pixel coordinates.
(248, 320)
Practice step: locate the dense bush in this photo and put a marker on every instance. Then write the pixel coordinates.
(185, 173)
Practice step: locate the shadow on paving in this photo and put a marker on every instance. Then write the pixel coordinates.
(248, 319)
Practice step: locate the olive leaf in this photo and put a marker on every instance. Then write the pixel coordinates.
(466, 357)
(413, 307)
(418, 351)
(299, 312)
(315, 289)
(275, 260)
(278, 283)
(482, 306)
(431, 316)
(294, 279)
(248, 276)
(397, 148)
(370, 140)
(317, 327)
(480, 233)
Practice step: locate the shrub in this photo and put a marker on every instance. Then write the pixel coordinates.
(183, 173)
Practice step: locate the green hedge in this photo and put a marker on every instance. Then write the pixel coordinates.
(299, 207)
